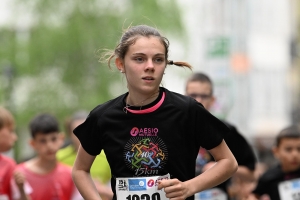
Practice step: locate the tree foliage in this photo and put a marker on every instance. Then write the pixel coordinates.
(51, 64)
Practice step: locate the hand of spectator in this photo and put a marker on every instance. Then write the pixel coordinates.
(19, 179)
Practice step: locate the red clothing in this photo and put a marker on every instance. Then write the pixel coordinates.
(7, 166)
(56, 185)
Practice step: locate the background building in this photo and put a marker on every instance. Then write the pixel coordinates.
(249, 49)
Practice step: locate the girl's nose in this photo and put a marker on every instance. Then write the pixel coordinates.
(150, 65)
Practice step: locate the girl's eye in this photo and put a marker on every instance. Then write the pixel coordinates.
(139, 59)
(158, 60)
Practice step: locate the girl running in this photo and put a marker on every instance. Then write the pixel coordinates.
(150, 135)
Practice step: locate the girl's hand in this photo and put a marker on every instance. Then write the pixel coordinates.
(174, 189)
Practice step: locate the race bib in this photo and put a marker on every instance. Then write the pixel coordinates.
(140, 188)
(211, 194)
(3, 197)
(289, 190)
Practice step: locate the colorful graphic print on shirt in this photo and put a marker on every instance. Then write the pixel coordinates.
(146, 156)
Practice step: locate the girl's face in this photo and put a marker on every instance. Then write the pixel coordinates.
(144, 65)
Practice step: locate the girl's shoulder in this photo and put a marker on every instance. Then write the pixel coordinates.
(102, 108)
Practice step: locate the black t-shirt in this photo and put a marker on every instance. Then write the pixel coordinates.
(239, 147)
(163, 139)
(269, 181)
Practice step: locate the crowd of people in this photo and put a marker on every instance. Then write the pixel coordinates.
(148, 143)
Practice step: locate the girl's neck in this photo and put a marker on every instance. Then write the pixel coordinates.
(141, 100)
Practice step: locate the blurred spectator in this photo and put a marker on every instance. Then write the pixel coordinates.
(7, 140)
(240, 190)
(281, 182)
(100, 170)
(200, 87)
(47, 179)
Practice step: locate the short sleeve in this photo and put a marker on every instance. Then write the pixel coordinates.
(210, 130)
(88, 134)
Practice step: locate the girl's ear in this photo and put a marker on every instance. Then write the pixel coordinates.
(119, 64)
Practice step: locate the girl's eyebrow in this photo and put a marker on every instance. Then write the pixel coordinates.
(158, 54)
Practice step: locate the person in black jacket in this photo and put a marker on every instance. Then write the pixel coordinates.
(200, 87)
(282, 181)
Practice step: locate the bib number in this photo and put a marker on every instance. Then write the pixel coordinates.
(289, 190)
(155, 196)
(211, 194)
(140, 188)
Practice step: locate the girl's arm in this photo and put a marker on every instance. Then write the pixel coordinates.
(223, 169)
(81, 175)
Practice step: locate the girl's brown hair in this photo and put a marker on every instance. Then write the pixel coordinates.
(132, 34)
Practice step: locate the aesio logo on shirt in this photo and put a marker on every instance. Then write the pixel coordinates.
(143, 131)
